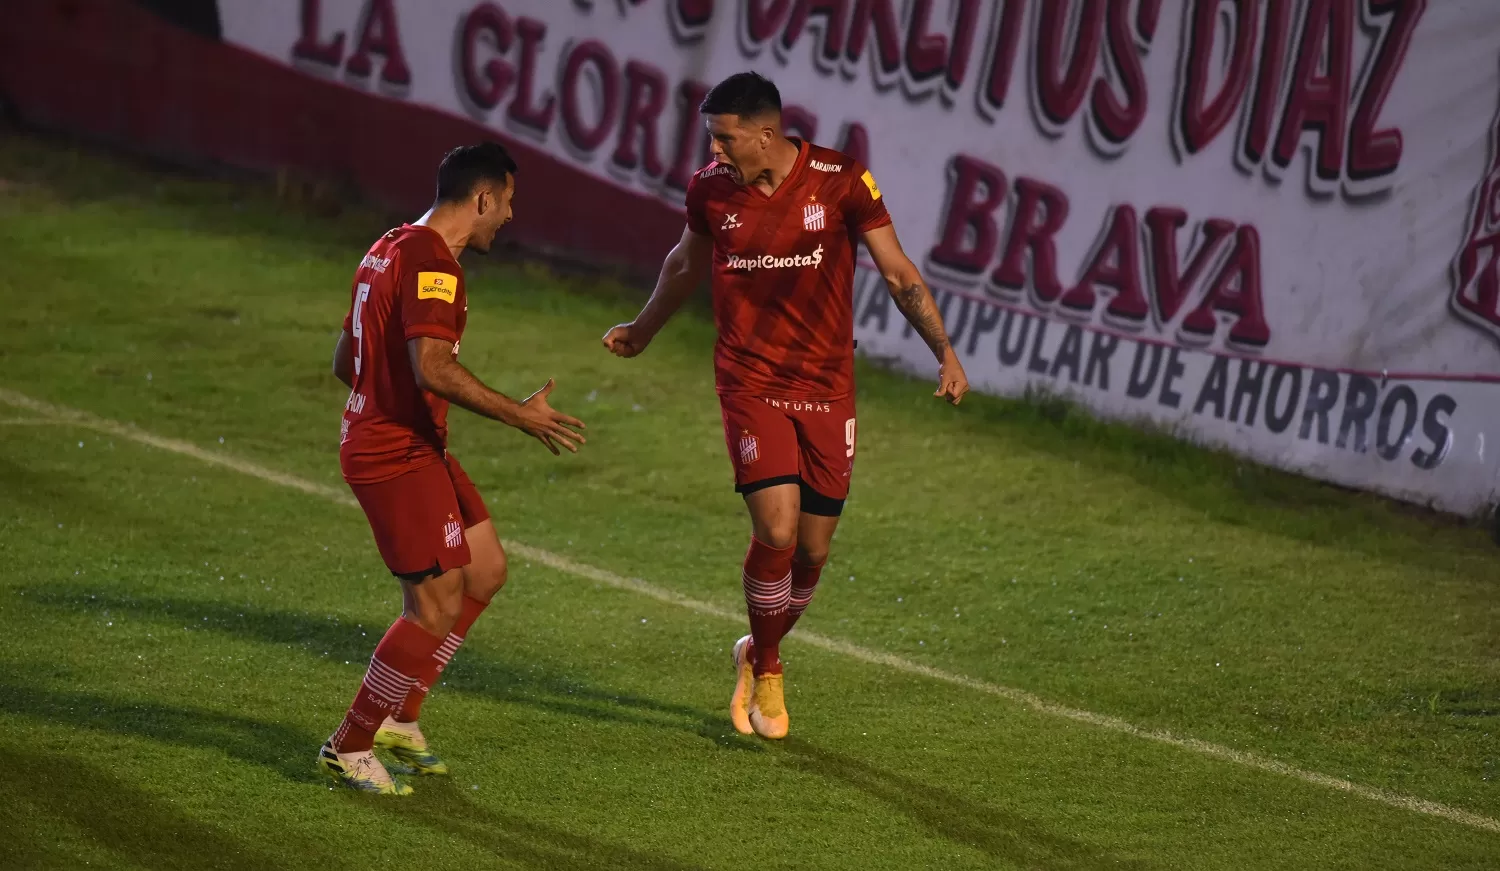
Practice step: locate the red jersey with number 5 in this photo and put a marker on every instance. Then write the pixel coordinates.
(783, 273)
(408, 286)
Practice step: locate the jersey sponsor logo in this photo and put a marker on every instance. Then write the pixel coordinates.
(812, 216)
(820, 166)
(869, 181)
(799, 405)
(379, 264)
(716, 169)
(437, 285)
(453, 533)
(731, 222)
(356, 403)
(771, 261)
(749, 449)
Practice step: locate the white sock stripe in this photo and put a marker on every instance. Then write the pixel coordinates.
(387, 672)
(386, 691)
(783, 585)
(767, 597)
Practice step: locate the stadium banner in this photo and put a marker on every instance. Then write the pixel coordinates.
(1267, 225)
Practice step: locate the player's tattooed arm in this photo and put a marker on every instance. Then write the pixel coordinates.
(917, 306)
(912, 297)
(439, 373)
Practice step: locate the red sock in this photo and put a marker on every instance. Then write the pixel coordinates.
(400, 655)
(413, 705)
(768, 589)
(804, 583)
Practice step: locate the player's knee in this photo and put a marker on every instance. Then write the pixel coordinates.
(484, 581)
(777, 535)
(811, 555)
(437, 615)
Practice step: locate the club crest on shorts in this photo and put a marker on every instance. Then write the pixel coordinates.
(453, 533)
(749, 448)
(812, 216)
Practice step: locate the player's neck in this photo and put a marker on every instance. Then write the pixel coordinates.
(782, 159)
(453, 228)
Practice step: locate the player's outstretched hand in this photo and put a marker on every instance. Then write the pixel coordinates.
(626, 340)
(552, 428)
(952, 382)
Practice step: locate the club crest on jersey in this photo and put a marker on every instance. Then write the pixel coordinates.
(813, 216)
(749, 449)
(453, 533)
(731, 222)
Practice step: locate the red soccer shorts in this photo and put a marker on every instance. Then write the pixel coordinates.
(779, 441)
(419, 518)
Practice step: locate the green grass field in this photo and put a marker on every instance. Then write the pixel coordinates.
(180, 635)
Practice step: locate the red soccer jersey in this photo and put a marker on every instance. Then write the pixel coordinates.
(409, 285)
(783, 280)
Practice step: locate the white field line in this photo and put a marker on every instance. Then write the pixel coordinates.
(61, 415)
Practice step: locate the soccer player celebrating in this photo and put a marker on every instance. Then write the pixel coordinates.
(778, 220)
(399, 355)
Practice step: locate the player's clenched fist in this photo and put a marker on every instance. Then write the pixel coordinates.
(549, 426)
(626, 340)
(953, 383)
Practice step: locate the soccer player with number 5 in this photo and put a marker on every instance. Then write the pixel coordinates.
(399, 355)
(778, 221)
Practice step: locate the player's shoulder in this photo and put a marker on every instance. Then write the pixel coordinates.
(826, 162)
(713, 178)
(417, 245)
(831, 162)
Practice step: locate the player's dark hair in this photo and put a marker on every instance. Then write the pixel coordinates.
(467, 166)
(748, 95)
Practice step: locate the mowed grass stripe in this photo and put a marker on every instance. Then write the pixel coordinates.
(56, 414)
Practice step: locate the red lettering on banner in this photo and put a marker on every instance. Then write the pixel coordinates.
(969, 241)
(309, 48)
(1200, 119)
(1040, 212)
(762, 19)
(1114, 120)
(645, 98)
(1318, 101)
(484, 86)
(1115, 264)
(381, 36)
(1235, 291)
(800, 122)
(965, 31)
(589, 54)
(525, 109)
(834, 14)
(1170, 286)
(1062, 76)
(879, 15)
(692, 138)
(926, 52)
(1375, 154)
(1273, 51)
(1002, 59)
(970, 234)
(856, 142)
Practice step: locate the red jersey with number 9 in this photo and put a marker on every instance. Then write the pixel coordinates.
(408, 286)
(783, 273)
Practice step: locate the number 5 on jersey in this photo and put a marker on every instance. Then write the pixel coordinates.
(359, 304)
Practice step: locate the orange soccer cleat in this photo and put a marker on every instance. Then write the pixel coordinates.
(739, 703)
(768, 707)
